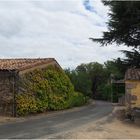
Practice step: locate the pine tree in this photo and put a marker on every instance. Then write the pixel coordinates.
(123, 25)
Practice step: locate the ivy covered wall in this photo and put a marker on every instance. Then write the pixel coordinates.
(46, 89)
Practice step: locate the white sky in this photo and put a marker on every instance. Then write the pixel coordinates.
(54, 28)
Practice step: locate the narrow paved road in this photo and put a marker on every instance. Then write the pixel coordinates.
(55, 123)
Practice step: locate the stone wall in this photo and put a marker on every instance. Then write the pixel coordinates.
(9, 87)
(132, 93)
(121, 100)
(6, 93)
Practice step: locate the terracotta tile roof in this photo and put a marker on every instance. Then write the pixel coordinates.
(132, 74)
(22, 64)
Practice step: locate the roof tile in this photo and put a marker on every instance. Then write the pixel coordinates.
(132, 74)
(23, 63)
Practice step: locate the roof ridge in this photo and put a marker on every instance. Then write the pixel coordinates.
(24, 58)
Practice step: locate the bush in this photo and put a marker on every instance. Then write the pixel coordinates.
(77, 99)
(47, 89)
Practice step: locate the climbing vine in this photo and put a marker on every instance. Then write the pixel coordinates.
(46, 89)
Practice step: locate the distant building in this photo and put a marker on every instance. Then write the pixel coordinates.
(10, 71)
(132, 88)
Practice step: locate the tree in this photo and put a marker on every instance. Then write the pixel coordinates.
(97, 75)
(114, 67)
(132, 58)
(80, 79)
(123, 25)
(117, 67)
(93, 79)
(87, 77)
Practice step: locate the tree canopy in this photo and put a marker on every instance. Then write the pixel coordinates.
(123, 24)
(132, 58)
(93, 79)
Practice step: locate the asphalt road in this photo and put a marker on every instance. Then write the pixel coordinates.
(63, 121)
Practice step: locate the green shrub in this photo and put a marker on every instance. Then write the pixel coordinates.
(77, 99)
(48, 89)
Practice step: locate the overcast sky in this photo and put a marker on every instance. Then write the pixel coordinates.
(54, 28)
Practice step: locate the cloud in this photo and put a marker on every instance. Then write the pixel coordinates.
(54, 28)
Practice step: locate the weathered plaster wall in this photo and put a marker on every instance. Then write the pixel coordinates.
(133, 89)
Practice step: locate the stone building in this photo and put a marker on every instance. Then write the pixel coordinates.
(10, 71)
(132, 88)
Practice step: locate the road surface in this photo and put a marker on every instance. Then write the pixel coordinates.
(63, 121)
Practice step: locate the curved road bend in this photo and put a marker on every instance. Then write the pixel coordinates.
(55, 123)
